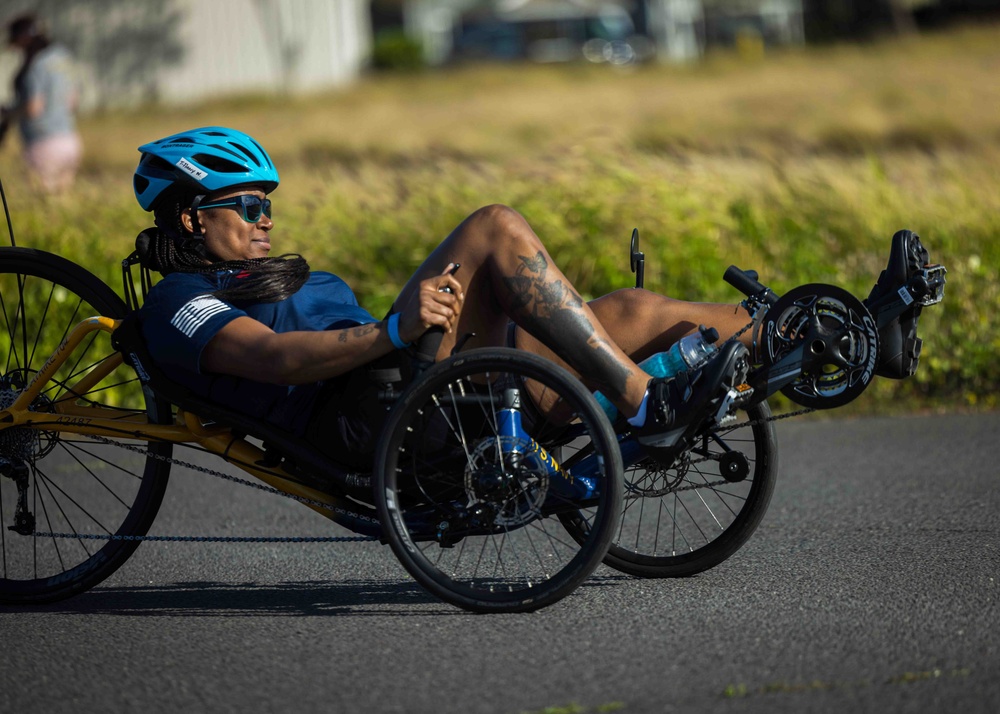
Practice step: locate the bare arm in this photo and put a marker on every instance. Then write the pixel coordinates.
(247, 348)
(34, 107)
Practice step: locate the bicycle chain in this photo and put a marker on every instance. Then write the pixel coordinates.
(327, 506)
(221, 539)
(756, 422)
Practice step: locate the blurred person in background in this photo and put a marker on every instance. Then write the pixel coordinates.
(45, 99)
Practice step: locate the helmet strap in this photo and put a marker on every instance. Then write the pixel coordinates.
(196, 241)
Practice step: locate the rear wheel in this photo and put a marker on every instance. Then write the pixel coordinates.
(694, 515)
(474, 514)
(75, 492)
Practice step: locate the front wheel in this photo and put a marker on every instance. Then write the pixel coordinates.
(63, 496)
(685, 519)
(473, 513)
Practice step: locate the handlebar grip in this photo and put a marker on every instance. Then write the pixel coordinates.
(746, 282)
(428, 344)
(430, 341)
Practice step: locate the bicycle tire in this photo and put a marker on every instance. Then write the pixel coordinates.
(77, 485)
(471, 524)
(696, 525)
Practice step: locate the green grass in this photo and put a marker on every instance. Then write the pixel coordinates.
(800, 165)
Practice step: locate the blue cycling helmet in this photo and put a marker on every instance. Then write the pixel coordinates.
(201, 161)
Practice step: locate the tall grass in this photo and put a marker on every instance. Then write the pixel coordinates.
(800, 165)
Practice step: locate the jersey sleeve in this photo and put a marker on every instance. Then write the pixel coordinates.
(180, 318)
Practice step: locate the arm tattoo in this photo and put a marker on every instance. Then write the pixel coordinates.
(356, 332)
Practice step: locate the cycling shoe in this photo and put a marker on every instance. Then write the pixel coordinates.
(899, 345)
(679, 406)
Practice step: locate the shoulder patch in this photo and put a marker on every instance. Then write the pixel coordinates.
(195, 313)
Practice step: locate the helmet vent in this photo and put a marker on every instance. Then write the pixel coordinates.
(243, 150)
(156, 162)
(262, 152)
(217, 163)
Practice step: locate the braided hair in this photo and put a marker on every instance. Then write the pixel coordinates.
(169, 248)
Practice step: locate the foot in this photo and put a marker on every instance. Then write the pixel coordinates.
(679, 406)
(895, 303)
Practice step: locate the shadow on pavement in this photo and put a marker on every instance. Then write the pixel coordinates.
(250, 599)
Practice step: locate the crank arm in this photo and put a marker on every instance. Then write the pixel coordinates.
(782, 373)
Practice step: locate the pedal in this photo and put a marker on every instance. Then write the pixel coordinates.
(928, 285)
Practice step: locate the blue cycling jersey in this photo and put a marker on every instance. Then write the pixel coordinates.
(180, 316)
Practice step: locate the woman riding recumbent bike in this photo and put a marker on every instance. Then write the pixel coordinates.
(489, 510)
(496, 477)
(471, 511)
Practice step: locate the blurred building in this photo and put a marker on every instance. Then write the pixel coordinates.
(551, 31)
(180, 51)
(616, 31)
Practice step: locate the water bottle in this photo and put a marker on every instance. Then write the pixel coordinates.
(689, 352)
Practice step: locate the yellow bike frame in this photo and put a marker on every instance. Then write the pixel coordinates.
(67, 416)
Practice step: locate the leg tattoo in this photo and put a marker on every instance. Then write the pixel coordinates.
(551, 310)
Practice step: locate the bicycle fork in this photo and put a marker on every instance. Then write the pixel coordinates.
(520, 450)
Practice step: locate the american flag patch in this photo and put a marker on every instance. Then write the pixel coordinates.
(195, 313)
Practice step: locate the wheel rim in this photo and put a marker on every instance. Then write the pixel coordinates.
(75, 485)
(475, 524)
(675, 516)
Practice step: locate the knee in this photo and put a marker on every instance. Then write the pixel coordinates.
(635, 301)
(500, 221)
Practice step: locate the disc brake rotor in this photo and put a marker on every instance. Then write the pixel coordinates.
(838, 340)
(514, 490)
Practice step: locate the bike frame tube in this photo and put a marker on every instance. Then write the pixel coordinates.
(70, 418)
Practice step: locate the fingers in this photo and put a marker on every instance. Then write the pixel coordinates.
(439, 308)
(446, 282)
(437, 303)
(443, 298)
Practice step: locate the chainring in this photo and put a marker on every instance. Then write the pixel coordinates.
(838, 340)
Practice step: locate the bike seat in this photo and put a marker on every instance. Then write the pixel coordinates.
(299, 456)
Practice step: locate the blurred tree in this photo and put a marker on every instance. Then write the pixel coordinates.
(861, 18)
(122, 41)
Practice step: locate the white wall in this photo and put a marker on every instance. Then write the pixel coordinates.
(228, 47)
(236, 46)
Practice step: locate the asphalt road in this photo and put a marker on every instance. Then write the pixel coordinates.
(871, 585)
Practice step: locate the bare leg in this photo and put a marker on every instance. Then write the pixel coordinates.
(643, 323)
(507, 275)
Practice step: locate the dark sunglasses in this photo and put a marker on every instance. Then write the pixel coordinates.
(252, 207)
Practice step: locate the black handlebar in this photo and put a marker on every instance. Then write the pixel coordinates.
(427, 346)
(430, 341)
(746, 282)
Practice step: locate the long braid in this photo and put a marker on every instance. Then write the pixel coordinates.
(168, 249)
